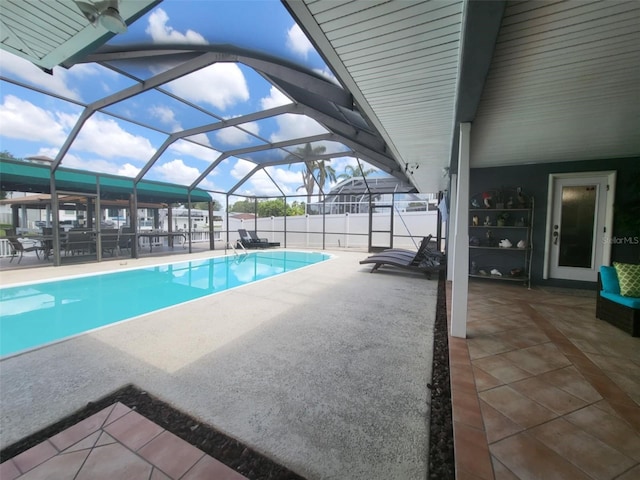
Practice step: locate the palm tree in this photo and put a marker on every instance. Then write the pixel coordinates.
(318, 168)
(351, 172)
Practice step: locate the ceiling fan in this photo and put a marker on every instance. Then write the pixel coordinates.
(104, 12)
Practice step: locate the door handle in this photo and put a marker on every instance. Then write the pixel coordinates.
(555, 234)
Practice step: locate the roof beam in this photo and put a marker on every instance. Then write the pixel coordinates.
(258, 148)
(210, 128)
(284, 162)
(480, 28)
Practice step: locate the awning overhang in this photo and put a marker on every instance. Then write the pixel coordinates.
(20, 176)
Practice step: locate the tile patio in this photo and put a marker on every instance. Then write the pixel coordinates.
(115, 443)
(541, 389)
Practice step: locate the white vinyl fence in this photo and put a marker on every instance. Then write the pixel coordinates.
(306, 231)
(341, 231)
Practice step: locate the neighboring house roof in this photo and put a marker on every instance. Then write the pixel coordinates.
(358, 185)
(242, 216)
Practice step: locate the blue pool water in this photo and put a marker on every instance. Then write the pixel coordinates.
(36, 314)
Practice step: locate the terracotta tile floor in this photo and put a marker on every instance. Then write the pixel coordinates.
(115, 443)
(541, 389)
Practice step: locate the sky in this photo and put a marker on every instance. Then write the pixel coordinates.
(115, 142)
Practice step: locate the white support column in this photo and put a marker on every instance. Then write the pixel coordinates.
(460, 283)
(451, 225)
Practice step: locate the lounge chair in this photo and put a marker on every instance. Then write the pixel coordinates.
(422, 246)
(251, 240)
(426, 260)
(18, 249)
(254, 237)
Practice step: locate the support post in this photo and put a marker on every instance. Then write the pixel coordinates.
(453, 205)
(212, 240)
(460, 284)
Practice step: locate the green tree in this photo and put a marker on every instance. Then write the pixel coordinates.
(296, 208)
(319, 168)
(269, 208)
(352, 172)
(243, 206)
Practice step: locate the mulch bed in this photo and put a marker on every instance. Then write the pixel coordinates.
(441, 452)
(242, 458)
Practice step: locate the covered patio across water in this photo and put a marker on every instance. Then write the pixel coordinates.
(88, 194)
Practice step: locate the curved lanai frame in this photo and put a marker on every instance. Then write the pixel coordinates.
(311, 95)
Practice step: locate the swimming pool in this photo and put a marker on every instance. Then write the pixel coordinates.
(36, 314)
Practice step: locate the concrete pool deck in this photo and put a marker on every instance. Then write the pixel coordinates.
(323, 370)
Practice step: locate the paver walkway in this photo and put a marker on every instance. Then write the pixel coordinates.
(115, 443)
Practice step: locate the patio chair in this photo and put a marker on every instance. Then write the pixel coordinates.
(426, 260)
(79, 241)
(109, 240)
(124, 238)
(18, 249)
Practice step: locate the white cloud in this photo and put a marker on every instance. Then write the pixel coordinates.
(92, 165)
(176, 171)
(234, 136)
(128, 170)
(328, 74)
(25, 70)
(298, 42)
(285, 176)
(105, 137)
(160, 32)
(275, 99)
(194, 150)
(295, 126)
(241, 168)
(221, 85)
(166, 116)
(24, 120)
(99, 165)
(260, 183)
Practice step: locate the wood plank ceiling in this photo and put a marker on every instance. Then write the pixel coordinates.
(563, 82)
(400, 62)
(54, 32)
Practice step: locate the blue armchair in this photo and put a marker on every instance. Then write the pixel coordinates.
(614, 308)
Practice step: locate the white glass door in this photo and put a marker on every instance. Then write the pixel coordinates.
(576, 244)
